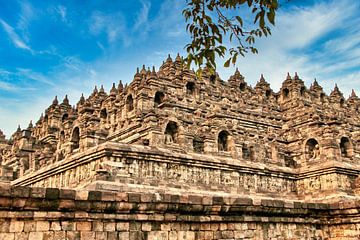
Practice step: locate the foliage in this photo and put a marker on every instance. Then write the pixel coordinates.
(210, 21)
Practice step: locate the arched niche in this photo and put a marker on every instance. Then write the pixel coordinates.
(302, 91)
(171, 132)
(75, 138)
(242, 86)
(312, 149)
(103, 114)
(129, 103)
(268, 93)
(190, 88)
(285, 93)
(65, 116)
(346, 149)
(212, 79)
(223, 141)
(245, 152)
(62, 136)
(198, 144)
(322, 97)
(159, 98)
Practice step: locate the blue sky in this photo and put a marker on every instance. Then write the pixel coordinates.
(50, 48)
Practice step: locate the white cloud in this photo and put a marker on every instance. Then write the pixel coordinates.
(14, 37)
(296, 45)
(36, 76)
(26, 14)
(143, 14)
(113, 25)
(62, 11)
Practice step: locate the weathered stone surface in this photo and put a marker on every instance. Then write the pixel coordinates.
(176, 156)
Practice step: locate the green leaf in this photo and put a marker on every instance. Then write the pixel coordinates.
(227, 63)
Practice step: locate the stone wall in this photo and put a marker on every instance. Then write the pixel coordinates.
(51, 213)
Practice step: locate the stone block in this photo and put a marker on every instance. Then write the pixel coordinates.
(97, 226)
(21, 236)
(4, 225)
(8, 236)
(52, 193)
(42, 226)
(101, 236)
(16, 226)
(67, 225)
(20, 192)
(36, 236)
(67, 194)
(48, 235)
(122, 226)
(112, 236)
(67, 204)
(94, 196)
(134, 197)
(83, 226)
(146, 227)
(55, 226)
(38, 192)
(159, 235)
(81, 195)
(73, 235)
(124, 235)
(109, 226)
(29, 226)
(87, 235)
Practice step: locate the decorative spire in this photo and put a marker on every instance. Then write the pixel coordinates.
(30, 125)
(315, 82)
(336, 92)
(262, 79)
(18, 128)
(113, 90)
(55, 101)
(288, 77)
(296, 77)
(121, 86)
(95, 90)
(143, 70)
(315, 86)
(169, 59)
(82, 99)
(353, 94)
(178, 58)
(102, 89)
(66, 100)
(153, 74)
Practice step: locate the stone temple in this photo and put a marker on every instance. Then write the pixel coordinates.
(177, 156)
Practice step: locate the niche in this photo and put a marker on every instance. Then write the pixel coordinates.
(302, 91)
(345, 147)
(64, 117)
(171, 133)
(223, 141)
(75, 138)
(103, 114)
(129, 103)
(285, 93)
(159, 98)
(312, 149)
(212, 79)
(190, 88)
(198, 145)
(242, 87)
